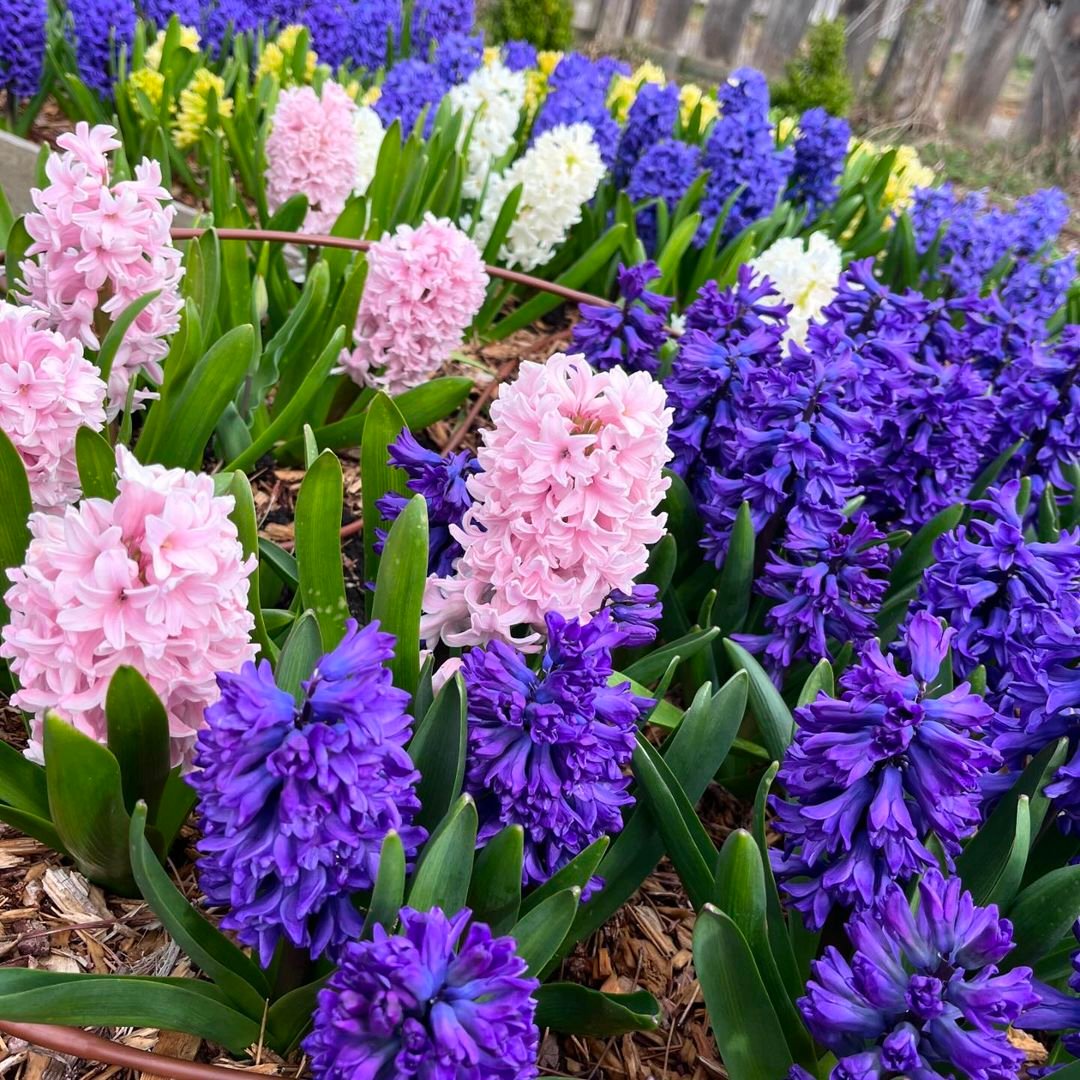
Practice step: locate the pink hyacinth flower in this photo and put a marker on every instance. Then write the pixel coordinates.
(564, 508)
(155, 579)
(48, 390)
(97, 247)
(423, 289)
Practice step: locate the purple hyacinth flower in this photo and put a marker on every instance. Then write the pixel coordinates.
(442, 1000)
(295, 800)
(1000, 591)
(922, 992)
(577, 93)
(631, 334)
(443, 481)
(434, 20)
(820, 149)
(651, 118)
(828, 588)
(101, 29)
(22, 46)
(548, 748)
(872, 774)
(458, 56)
(410, 87)
(519, 55)
(664, 172)
(375, 26)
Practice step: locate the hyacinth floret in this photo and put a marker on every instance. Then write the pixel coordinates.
(923, 991)
(636, 613)
(443, 1000)
(741, 151)
(871, 775)
(433, 21)
(564, 505)
(424, 287)
(155, 579)
(458, 56)
(443, 481)
(652, 118)
(548, 748)
(577, 94)
(820, 149)
(804, 274)
(101, 245)
(225, 18)
(827, 586)
(48, 390)
(22, 46)
(630, 334)
(296, 798)
(311, 151)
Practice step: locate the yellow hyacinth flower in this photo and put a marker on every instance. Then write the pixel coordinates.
(277, 57)
(150, 82)
(194, 101)
(624, 88)
(189, 39)
(547, 60)
(491, 54)
(787, 128)
(371, 96)
(690, 97)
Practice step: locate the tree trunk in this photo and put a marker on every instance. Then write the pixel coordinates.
(725, 23)
(1053, 107)
(668, 24)
(613, 19)
(989, 58)
(862, 25)
(908, 87)
(780, 36)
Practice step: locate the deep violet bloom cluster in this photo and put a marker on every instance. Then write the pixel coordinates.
(741, 150)
(519, 55)
(442, 1000)
(636, 614)
(373, 25)
(442, 482)
(329, 23)
(548, 747)
(435, 20)
(664, 171)
(820, 149)
(827, 586)
(630, 334)
(1058, 442)
(728, 332)
(410, 86)
(922, 991)
(100, 29)
(1001, 591)
(872, 774)
(228, 17)
(578, 94)
(295, 798)
(159, 12)
(22, 46)
(800, 427)
(652, 118)
(458, 55)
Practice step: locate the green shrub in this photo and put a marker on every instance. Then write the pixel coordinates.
(546, 23)
(818, 75)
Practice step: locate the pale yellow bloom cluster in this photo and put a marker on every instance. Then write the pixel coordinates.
(624, 88)
(547, 60)
(371, 96)
(194, 106)
(491, 54)
(189, 39)
(787, 127)
(150, 82)
(690, 97)
(277, 57)
(908, 172)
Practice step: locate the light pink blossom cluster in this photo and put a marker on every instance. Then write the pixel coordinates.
(311, 150)
(156, 579)
(565, 506)
(48, 390)
(423, 289)
(97, 247)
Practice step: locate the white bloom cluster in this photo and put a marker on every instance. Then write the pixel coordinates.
(559, 173)
(805, 277)
(369, 137)
(491, 100)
